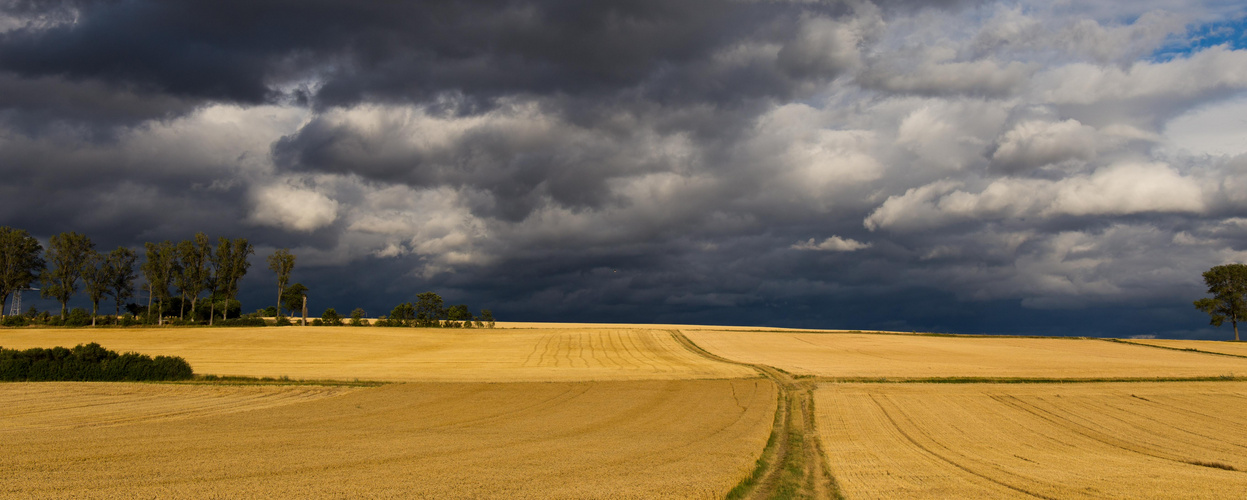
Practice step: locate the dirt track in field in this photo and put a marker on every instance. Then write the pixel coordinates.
(795, 466)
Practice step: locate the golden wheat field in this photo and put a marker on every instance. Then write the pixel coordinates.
(405, 354)
(1235, 348)
(36, 406)
(881, 355)
(623, 411)
(1079, 440)
(632, 439)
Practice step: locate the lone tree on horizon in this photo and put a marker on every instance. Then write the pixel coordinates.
(282, 263)
(1228, 285)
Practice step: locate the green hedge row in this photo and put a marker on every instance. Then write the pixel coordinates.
(89, 362)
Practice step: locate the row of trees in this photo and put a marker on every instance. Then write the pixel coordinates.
(71, 263)
(178, 273)
(194, 267)
(429, 310)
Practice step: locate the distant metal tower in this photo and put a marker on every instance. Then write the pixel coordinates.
(16, 310)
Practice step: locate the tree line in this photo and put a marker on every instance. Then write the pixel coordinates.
(176, 275)
(184, 270)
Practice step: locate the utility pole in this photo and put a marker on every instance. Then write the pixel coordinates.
(17, 301)
(305, 310)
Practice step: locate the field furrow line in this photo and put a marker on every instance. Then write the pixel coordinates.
(1090, 432)
(1163, 426)
(540, 345)
(892, 420)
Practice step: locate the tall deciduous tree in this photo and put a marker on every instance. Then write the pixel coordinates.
(1228, 286)
(161, 264)
(240, 255)
(218, 275)
(67, 253)
(281, 262)
(229, 265)
(121, 275)
(95, 281)
(20, 262)
(194, 255)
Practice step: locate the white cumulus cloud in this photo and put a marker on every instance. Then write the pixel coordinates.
(832, 244)
(292, 208)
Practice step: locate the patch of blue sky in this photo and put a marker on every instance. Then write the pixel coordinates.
(1231, 33)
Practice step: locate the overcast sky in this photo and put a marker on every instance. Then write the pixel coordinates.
(1041, 167)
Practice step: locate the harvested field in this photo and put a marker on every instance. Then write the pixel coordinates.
(1235, 348)
(908, 356)
(638, 439)
(36, 406)
(405, 354)
(1085, 440)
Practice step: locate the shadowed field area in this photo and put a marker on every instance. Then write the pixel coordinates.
(916, 356)
(636, 439)
(406, 354)
(1085, 440)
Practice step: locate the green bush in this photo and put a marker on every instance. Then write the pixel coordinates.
(243, 321)
(15, 321)
(282, 321)
(331, 318)
(88, 362)
(357, 317)
(78, 317)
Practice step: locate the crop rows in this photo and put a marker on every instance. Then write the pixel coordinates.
(1124, 440)
(850, 355)
(631, 439)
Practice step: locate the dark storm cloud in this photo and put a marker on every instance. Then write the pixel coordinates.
(953, 166)
(243, 51)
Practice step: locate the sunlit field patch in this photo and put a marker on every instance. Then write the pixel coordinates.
(910, 356)
(406, 354)
(1086, 440)
(627, 439)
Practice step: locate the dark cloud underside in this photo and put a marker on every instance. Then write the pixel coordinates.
(996, 167)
